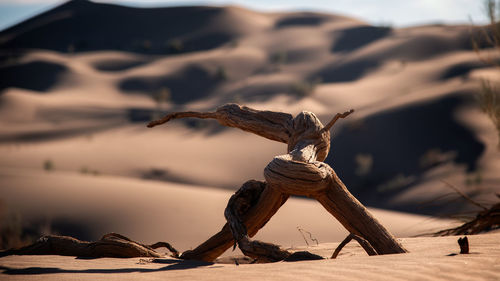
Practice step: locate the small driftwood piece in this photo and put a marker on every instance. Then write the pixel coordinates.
(299, 172)
(111, 245)
(464, 245)
(365, 244)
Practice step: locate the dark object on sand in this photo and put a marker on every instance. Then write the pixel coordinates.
(110, 245)
(464, 245)
(365, 244)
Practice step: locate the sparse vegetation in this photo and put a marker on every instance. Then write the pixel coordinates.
(162, 96)
(302, 231)
(221, 73)
(434, 157)
(305, 88)
(489, 98)
(86, 171)
(146, 45)
(12, 234)
(71, 48)
(474, 178)
(48, 165)
(364, 164)
(396, 183)
(485, 220)
(279, 58)
(233, 44)
(237, 98)
(174, 46)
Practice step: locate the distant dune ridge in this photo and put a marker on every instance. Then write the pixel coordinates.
(79, 83)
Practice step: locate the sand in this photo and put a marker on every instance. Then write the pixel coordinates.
(429, 259)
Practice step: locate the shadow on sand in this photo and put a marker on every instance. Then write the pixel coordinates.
(173, 264)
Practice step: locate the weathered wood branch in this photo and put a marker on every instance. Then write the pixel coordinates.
(238, 206)
(365, 244)
(299, 172)
(272, 125)
(336, 118)
(254, 218)
(110, 245)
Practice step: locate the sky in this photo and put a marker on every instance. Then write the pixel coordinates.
(396, 13)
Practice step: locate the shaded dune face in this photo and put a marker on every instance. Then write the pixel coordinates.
(300, 20)
(461, 69)
(407, 141)
(84, 26)
(38, 76)
(348, 71)
(418, 47)
(189, 84)
(356, 37)
(113, 65)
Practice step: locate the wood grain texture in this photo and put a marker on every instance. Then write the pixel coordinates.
(110, 245)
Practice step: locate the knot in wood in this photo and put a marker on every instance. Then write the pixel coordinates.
(297, 177)
(308, 128)
(301, 172)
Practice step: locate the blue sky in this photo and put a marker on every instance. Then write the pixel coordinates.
(397, 13)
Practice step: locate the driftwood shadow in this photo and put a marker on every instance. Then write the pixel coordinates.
(173, 264)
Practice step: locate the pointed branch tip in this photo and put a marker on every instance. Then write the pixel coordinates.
(335, 118)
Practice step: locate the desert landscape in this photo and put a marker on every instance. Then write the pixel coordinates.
(79, 84)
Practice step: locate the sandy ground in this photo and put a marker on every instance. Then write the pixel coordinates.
(183, 215)
(428, 259)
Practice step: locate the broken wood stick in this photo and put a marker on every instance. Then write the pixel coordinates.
(111, 245)
(464, 245)
(365, 244)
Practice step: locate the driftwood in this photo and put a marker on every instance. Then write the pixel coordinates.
(299, 172)
(110, 245)
(365, 244)
(464, 245)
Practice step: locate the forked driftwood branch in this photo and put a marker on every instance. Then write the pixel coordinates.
(365, 244)
(299, 172)
(110, 245)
